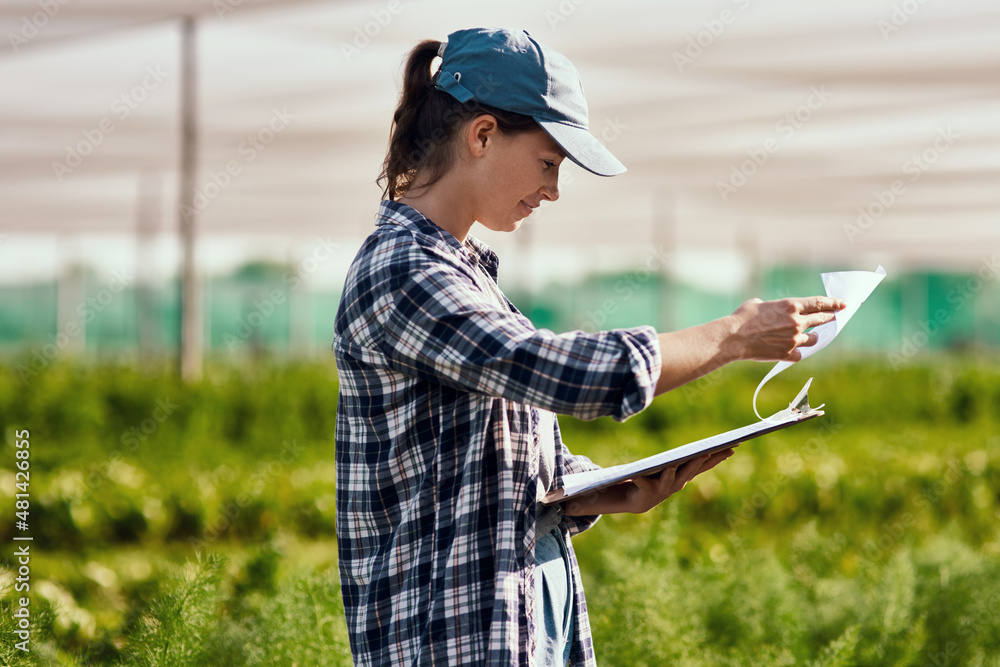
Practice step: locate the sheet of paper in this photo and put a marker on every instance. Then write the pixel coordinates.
(854, 287)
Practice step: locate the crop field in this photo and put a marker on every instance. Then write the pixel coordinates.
(194, 525)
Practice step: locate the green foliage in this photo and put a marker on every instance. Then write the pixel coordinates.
(42, 620)
(202, 615)
(868, 536)
(304, 623)
(300, 622)
(838, 653)
(176, 629)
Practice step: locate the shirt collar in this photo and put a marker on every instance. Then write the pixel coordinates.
(472, 251)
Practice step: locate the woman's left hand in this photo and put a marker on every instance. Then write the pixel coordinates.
(644, 493)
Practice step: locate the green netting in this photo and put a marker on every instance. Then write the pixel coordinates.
(254, 310)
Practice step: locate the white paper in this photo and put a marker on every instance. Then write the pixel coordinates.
(854, 287)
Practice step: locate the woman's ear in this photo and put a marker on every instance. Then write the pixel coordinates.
(481, 134)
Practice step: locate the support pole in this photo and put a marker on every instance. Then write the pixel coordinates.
(191, 315)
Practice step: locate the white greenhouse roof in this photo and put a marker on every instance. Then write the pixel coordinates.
(809, 111)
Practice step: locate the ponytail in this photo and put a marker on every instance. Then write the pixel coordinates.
(426, 121)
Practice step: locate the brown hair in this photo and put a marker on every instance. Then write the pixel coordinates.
(425, 122)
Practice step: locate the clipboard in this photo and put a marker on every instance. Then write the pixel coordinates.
(579, 484)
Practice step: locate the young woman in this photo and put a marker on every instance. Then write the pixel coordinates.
(446, 438)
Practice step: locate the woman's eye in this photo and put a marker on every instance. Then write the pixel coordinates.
(549, 164)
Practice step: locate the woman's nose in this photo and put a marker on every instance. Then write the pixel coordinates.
(550, 190)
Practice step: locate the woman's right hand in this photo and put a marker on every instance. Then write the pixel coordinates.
(774, 330)
(758, 330)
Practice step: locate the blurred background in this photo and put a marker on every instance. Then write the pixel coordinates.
(765, 143)
(203, 171)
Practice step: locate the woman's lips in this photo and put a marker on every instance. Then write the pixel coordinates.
(527, 209)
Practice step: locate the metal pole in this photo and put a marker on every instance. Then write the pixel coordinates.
(191, 315)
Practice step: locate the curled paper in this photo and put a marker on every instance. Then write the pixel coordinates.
(854, 287)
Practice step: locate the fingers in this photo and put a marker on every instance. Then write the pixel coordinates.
(651, 492)
(686, 472)
(819, 304)
(666, 481)
(708, 462)
(716, 459)
(773, 330)
(806, 339)
(815, 319)
(659, 484)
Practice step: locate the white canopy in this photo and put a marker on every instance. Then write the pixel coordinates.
(755, 128)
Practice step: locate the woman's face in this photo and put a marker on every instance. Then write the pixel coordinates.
(511, 175)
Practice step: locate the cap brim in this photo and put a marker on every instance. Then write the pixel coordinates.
(583, 148)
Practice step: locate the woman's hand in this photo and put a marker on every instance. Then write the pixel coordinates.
(774, 330)
(644, 493)
(758, 330)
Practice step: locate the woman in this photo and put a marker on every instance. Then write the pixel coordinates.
(446, 437)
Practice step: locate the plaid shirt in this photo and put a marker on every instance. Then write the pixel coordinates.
(437, 447)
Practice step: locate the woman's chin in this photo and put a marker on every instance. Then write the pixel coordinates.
(502, 225)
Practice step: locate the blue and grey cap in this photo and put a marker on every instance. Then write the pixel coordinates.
(510, 70)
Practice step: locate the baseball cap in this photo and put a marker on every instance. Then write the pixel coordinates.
(509, 69)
